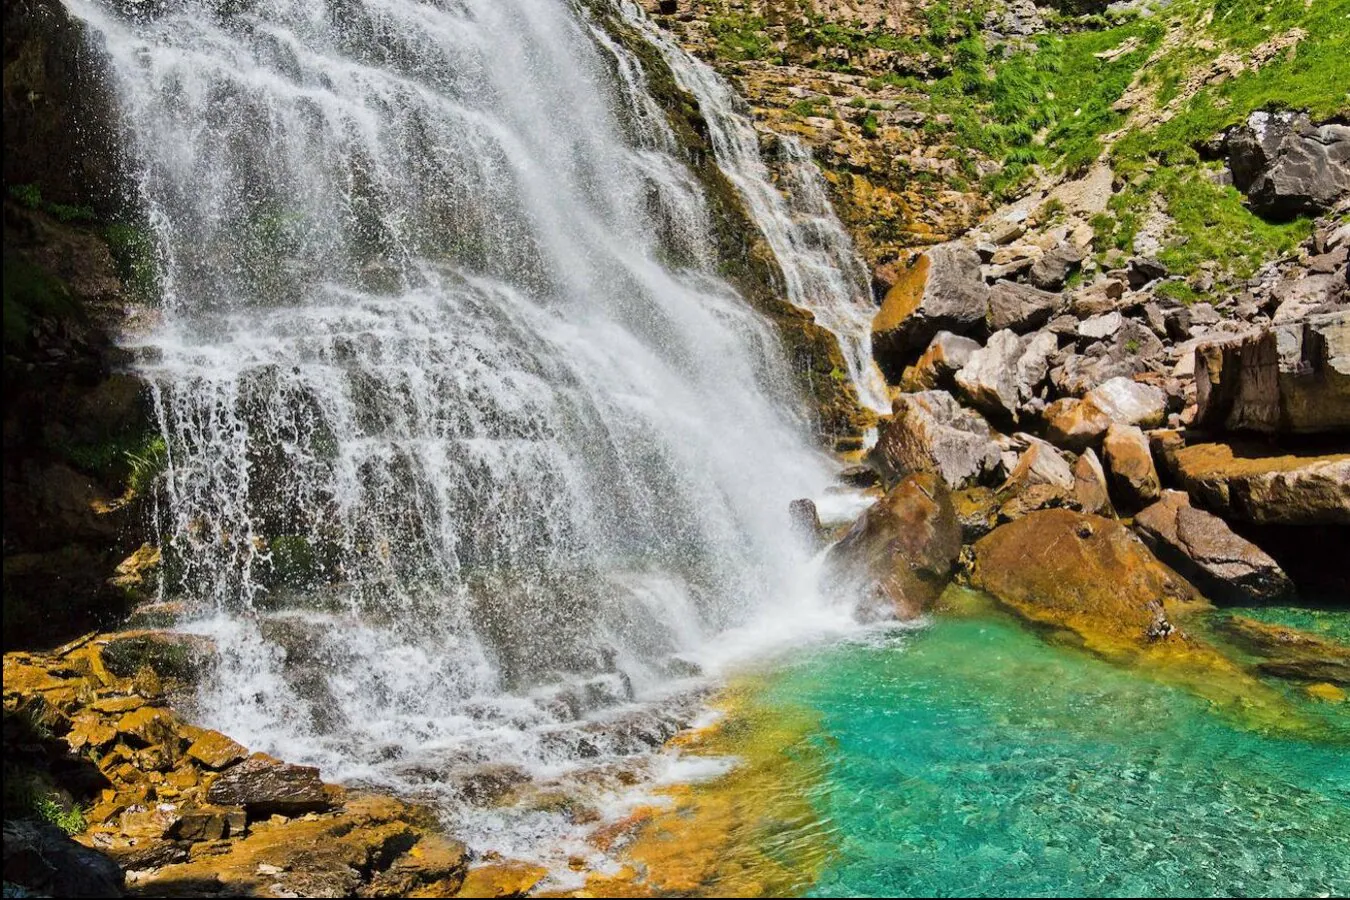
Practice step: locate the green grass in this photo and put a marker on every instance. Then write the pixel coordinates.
(72, 821)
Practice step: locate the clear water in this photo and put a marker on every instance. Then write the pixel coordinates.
(971, 758)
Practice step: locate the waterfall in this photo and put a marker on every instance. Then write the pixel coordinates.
(469, 445)
(822, 271)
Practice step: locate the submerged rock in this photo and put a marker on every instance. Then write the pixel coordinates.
(1086, 574)
(931, 432)
(1203, 548)
(904, 546)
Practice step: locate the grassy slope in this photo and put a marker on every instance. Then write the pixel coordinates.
(1048, 106)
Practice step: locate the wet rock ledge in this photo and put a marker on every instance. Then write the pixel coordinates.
(158, 807)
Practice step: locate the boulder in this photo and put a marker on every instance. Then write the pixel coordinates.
(1134, 479)
(903, 547)
(1288, 166)
(1021, 308)
(1292, 378)
(266, 786)
(1099, 298)
(1247, 482)
(1090, 493)
(1004, 374)
(1205, 550)
(1086, 574)
(1102, 327)
(945, 355)
(1290, 653)
(1040, 463)
(859, 476)
(1053, 268)
(1143, 270)
(1128, 352)
(1074, 424)
(216, 751)
(1129, 402)
(942, 290)
(931, 432)
(43, 861)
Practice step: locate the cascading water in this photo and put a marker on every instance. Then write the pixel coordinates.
(466, 439)
(823, 273)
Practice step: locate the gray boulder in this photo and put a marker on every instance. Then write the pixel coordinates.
(931, 432)
(1288, 166)
(1020, 307)
(1052, 270)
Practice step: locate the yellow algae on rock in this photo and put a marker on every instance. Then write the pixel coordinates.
(749, 832)
(501, 879)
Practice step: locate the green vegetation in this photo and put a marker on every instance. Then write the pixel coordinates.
(31, 294)
(72, 821)
(133, 459)
(30, 195)
(135, 256)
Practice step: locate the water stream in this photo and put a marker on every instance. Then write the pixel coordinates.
(470, 449)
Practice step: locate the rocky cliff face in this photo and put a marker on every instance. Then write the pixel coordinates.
(77, 438)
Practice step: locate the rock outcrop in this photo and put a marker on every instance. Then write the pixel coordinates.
(187, 810)
(1247, 482)
(1287, 166)
(1226, 567)
(1134, 479)
(1291, 378)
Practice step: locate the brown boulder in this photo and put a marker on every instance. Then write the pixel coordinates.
(266, 786)
(1204, 549)
(903, 548)
(945, 355)
(1085, 574)
(216, 751)
(1090, 493)
(1075, 424)
(1246, 482)
(1130, 463)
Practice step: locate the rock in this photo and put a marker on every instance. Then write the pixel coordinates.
(1075, 424)
(1102, 327)
(502, 879)
(1143, 270)
(1129, 352)
(43, 861)
(905, 546)
(1248, 482)
(1292, 378)
(1288, 652)
(859, 476)
(1298, 298)
(1129, 402)
(209, 823)
(942, 290)
(1287, 166)
(1021, 308)
(976, 511)
(1004, 374)
(946, 354)
(172, 656)
(1090, 493)
(931, 432)
(1099, 298)
(266, 786)
(1201, 547)
(216, 751)
(1053, 268)
(1086, 574)
(148, 725)
(1134, 479)
(1040, 463)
